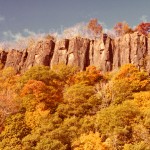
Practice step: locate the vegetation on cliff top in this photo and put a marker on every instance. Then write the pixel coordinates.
(91, 30)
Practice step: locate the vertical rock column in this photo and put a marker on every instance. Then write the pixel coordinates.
(60, 52)
(101, 54)
(13, 59)
(39, 53)
(148, 55)
(125, 49)
(3, 57)
(138, 50)
(78, 52)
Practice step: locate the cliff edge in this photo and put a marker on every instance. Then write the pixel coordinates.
(105, 53)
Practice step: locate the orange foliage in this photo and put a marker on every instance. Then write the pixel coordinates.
(122, 28)
(130, 74)
(41, 92)
(95, 27)
(34, 87)
(90, 76)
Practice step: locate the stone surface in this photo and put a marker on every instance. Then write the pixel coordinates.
(38, 54)
(13, 59)
(105, 53)
(60, 52)
(78, 52)
(3, 57)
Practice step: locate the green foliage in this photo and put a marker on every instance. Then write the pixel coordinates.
(39, 73)
(15, 127)
(48, 144)
(79, 100)
(15, 130)
(117, 121)
(65, 73)
(137, 146)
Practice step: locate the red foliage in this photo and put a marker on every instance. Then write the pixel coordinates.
(143, 28)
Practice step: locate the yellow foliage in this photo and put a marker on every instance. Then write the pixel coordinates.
(91, 141)
(34, 119)
(142, 99)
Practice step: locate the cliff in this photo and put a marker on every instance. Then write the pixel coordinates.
(106, 54)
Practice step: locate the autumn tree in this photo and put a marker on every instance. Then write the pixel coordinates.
(35, 92)
(122, 28)
(91, 141)
(15, 130)
(143, 28)
(116, 122)
(90, 76)
(95, 27)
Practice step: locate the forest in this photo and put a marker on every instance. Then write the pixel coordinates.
(64, 108)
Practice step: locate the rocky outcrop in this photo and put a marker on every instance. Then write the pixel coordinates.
(3, 57)
(131, 48)
(72, 52)
(101, 54)
(78, 52)
(60, 52)
(13, 59)
(40, 53)
(105, 53)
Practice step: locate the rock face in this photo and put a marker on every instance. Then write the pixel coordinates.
(131, 48)
(60, 52)
(3, 57)
(78, 52)
(105, 53)
(38, 54)
(13, 59)
(73, 52)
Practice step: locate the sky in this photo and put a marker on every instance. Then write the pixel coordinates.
(27, 17)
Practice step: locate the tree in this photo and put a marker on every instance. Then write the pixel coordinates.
(90, 76)
(122, 28)
(39, 73)
(35, 92)
(95, 27)
(91, 141)
(138, 80)
(137, 146)
(116, 122)
(143, 28)
(14, 131)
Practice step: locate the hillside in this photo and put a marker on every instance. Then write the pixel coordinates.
(67, 109)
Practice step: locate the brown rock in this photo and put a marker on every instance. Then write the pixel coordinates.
(3, 56)
(116, 54)
(147, 57)
(60, 52)
(78, 52)
(38, 54)
(101, 54)
(138, 49)
(105, 53)
(13, 59)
